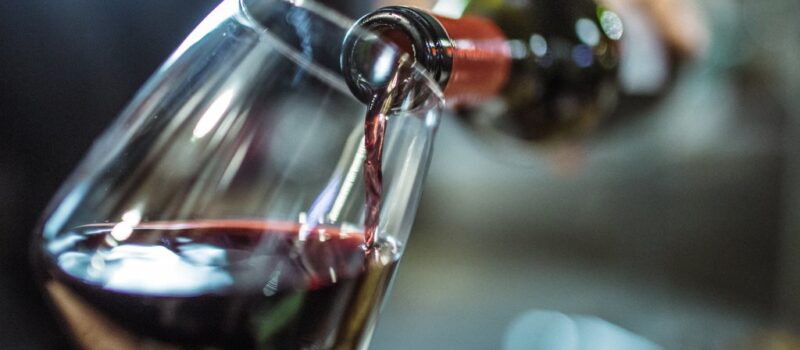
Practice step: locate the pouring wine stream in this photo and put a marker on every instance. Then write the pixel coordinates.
(383, 98)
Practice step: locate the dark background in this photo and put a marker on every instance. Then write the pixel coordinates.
(67, 68)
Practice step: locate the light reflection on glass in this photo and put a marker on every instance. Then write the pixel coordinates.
(333, 274)
(98, 264)
(213, 114)
(132, 217)
(61, 213)
(110, 241)
(124, 228)
(211, 22)
(121, 231)
(271, 288)
(234, 165)
(384, 64)
(158, 270)
(354, 141)
(151, 269)
(644, 62)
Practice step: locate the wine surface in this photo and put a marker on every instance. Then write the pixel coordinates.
(217, 285)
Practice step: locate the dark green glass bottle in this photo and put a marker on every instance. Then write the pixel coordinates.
(534, 69)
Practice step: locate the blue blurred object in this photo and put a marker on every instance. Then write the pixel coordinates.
(553, 330)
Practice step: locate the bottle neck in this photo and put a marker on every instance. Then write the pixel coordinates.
(468, 57)
(480, 59)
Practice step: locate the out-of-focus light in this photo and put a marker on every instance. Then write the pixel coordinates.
(582, 56)
(552, 330)
(611, 24)
(519, 49)
(587, 31)
(538, 45)
(450, 8)
(213, 114)
(234, 165)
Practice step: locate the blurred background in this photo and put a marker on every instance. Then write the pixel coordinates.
(681, 227)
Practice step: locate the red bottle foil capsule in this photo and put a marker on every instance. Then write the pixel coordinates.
(481, 59)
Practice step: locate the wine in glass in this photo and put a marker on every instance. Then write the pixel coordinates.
(230, 206)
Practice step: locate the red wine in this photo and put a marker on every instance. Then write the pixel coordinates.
(374, 130)
(385, 95)
(217, 284)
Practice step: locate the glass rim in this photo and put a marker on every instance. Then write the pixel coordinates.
(335, 79)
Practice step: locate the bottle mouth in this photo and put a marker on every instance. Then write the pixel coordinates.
(388, 36)
(312, 35)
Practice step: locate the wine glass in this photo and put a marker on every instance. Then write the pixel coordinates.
(225, 208)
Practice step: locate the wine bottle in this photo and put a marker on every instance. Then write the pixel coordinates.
(537, 70)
